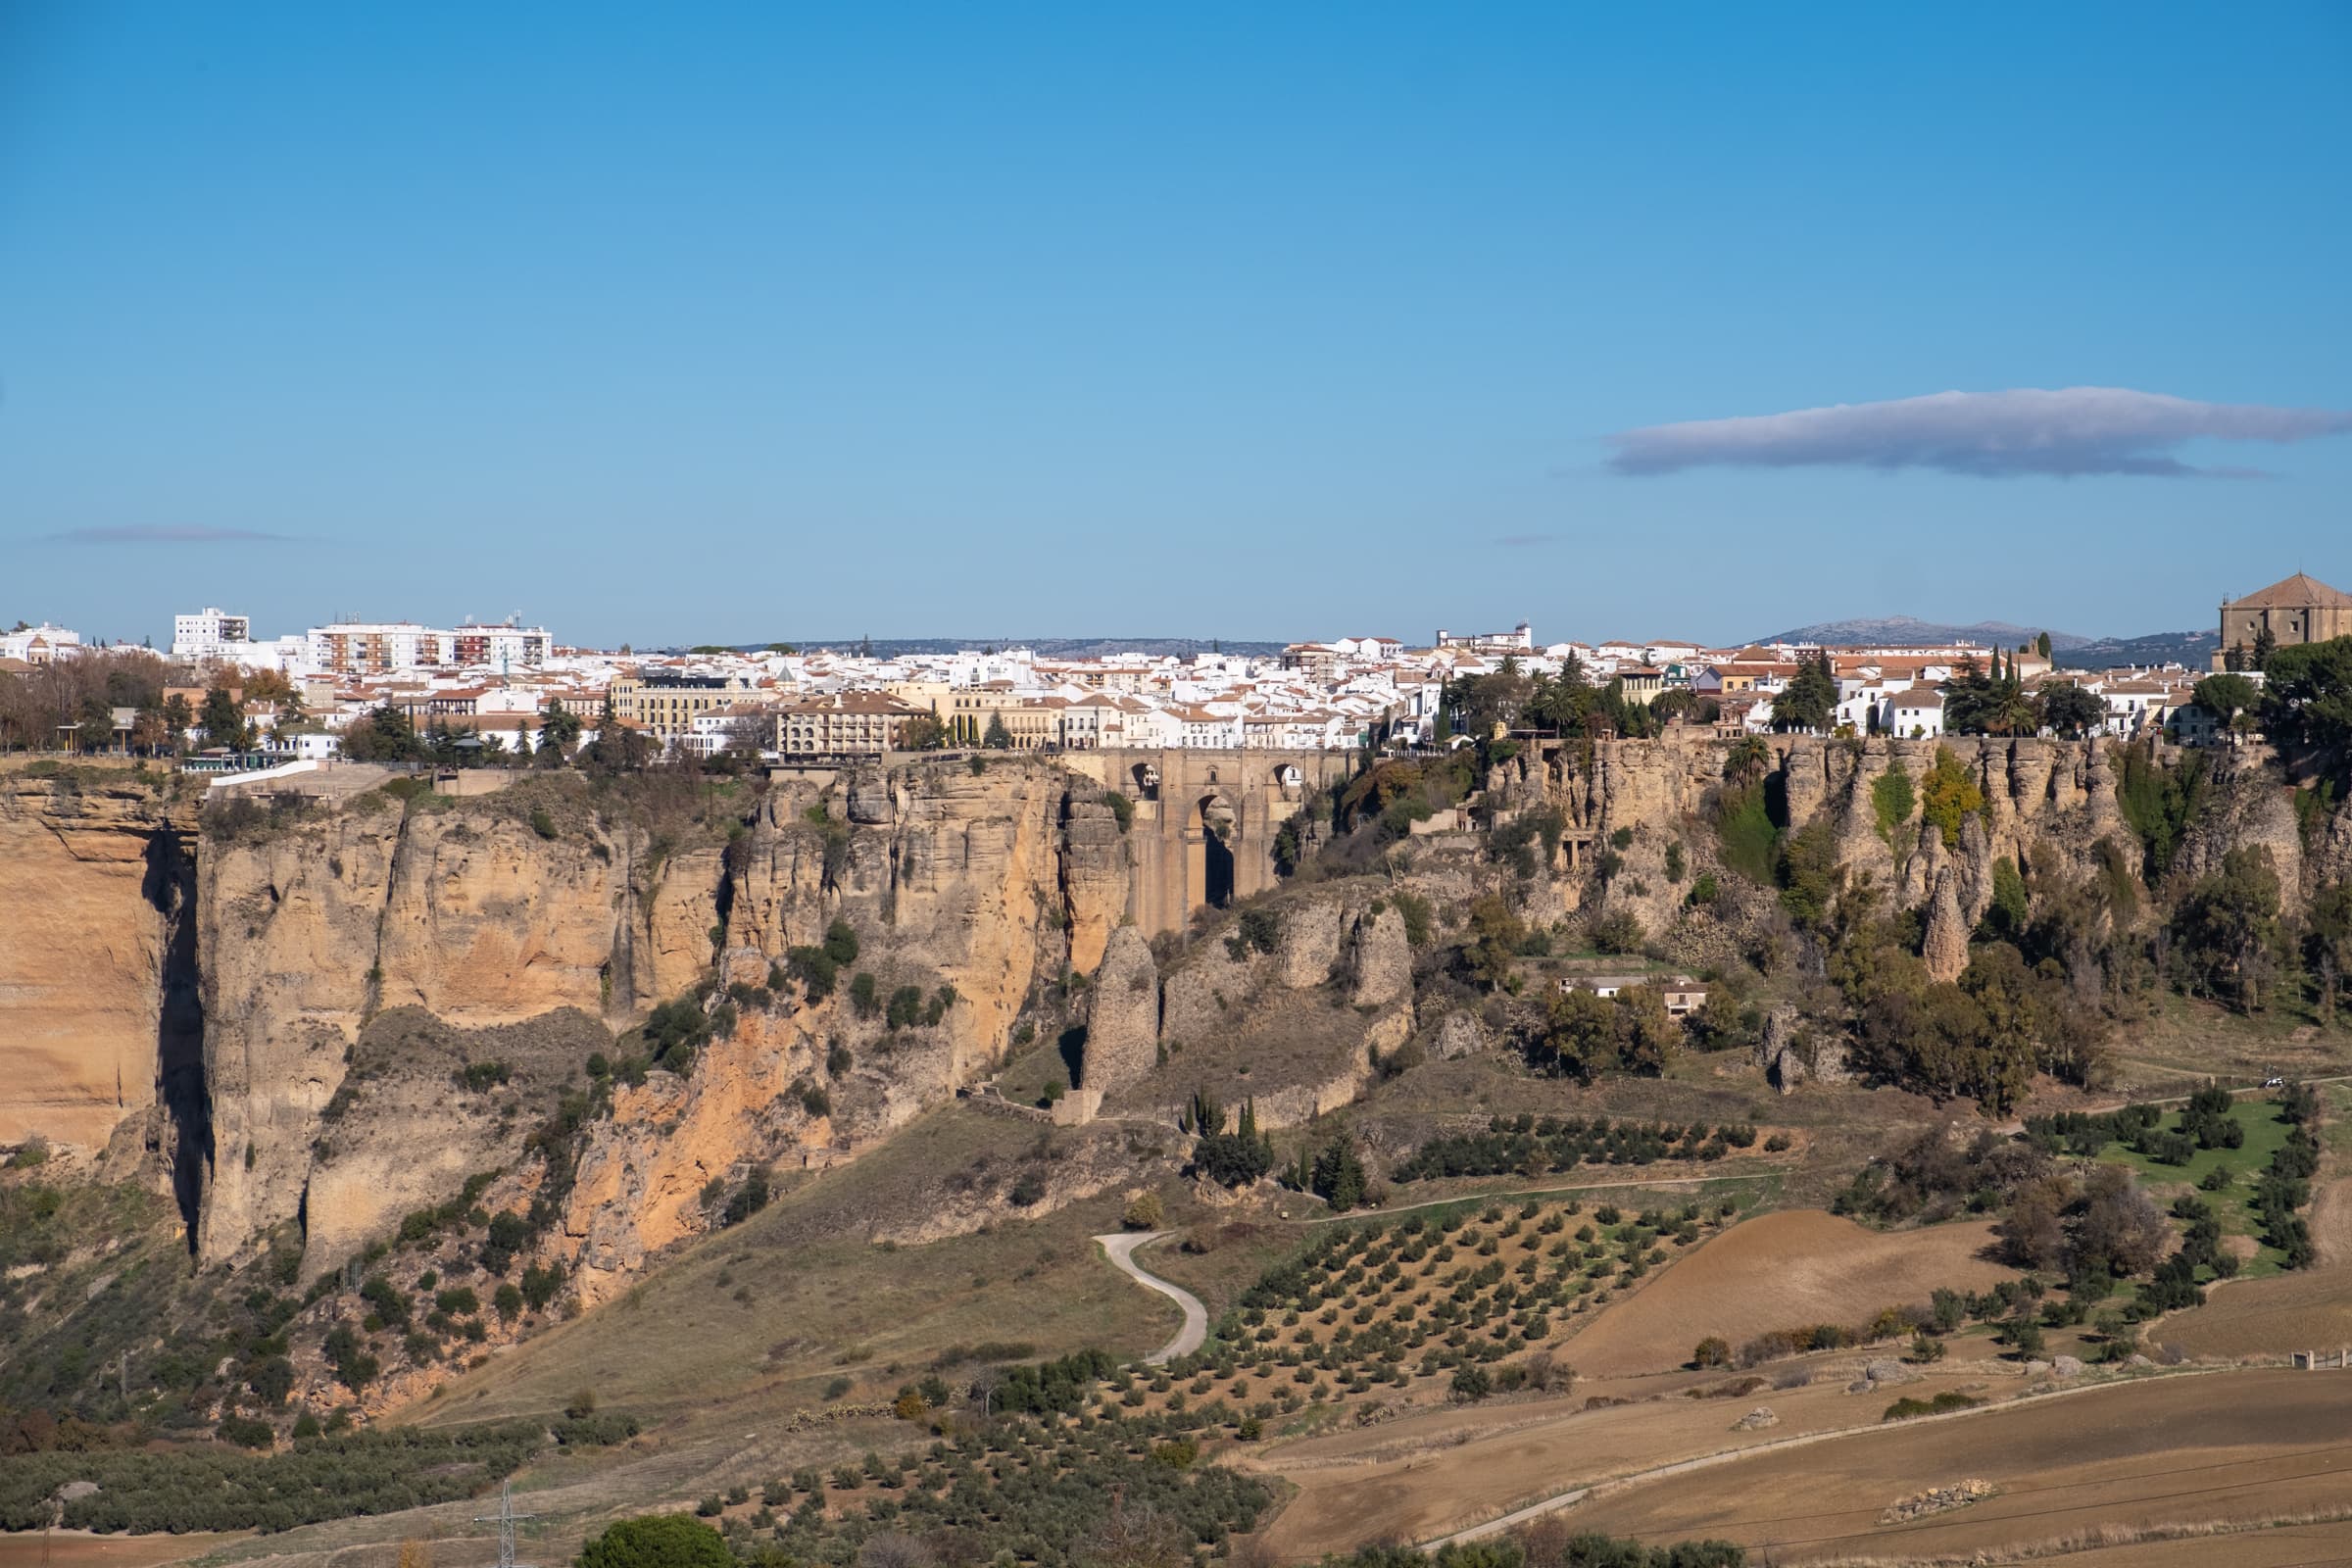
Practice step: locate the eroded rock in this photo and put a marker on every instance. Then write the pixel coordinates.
(1122, 1030)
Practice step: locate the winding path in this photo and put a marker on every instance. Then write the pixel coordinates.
(1120, 1249)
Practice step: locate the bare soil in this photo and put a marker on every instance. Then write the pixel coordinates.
(75, 1548)
(1431, 1473)
(1799, 1266)
(2281, 1545)
(2184, 1451)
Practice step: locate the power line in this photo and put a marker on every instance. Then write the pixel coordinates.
(505, 1518)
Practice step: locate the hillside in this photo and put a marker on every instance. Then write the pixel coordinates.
(1909, 630)
(761, 1109)
(2068, 650)
(2191, 650)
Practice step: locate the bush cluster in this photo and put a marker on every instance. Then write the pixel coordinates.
(2285, 1186)
(379, 1471)
(1429, 1297)
(1550, 1542)
(1905, 1409)
(1528, 1146)
(1048, 1493)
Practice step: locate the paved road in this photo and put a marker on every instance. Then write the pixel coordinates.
(1120, 1248)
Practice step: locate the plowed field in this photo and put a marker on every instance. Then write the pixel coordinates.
(1801, 1267)
(2163, 1452)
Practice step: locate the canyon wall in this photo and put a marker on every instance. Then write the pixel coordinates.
(2060, 796)
(305, 930)
(200, 1002)
(489, 914)
(94, 879)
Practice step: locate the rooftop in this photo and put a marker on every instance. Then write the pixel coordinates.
(2299, 591)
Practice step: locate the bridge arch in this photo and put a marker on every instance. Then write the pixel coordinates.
(1213, 845)
(1209, 838)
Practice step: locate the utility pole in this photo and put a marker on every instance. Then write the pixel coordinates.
(505, 1525)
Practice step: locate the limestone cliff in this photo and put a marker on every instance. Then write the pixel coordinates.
(1287, 1010)
(2058, 794)
(307, 930)
(2247, 806)
(97, 1023)
(987, 882)
(966, 890)
(245, 966)
(1122, 1029)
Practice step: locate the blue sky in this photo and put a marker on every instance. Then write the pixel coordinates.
(724, 322)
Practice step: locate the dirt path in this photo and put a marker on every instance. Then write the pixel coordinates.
(1120, 1249)
(1568, 1500)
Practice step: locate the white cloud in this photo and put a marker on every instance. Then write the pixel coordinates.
(157, 534)
(2072, 431)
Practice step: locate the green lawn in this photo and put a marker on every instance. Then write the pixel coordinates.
(2232, 1205)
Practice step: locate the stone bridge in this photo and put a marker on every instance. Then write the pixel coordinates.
(1205, 820)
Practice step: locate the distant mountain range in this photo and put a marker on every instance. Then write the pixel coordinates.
(2067, 649)
(1902, 630)
(2193, 649)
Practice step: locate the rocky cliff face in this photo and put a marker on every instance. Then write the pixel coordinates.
(961, 886)
(1292, 1029)
(306, 930)
(1122, 1027)
(2060, 795)
(247, 966)
(97, 1023)
(984, 882)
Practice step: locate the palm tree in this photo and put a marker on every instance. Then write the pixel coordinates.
(1747, 762)
(2008, 710)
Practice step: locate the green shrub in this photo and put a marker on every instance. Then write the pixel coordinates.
(1472, 1384)
(1749, 838)
(329, 1475)
(1892, 801)
(658, 1540)
(1618, 933)
(246, 1432)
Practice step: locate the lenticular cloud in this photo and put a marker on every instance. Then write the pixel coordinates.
(2075, 430)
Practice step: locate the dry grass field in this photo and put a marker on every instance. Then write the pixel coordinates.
(1443, 1470)
(2283, 1545)
(2161, 1453)
(74, 1549)
(753, 1322)
(1799, 1266)
(1435, 1469)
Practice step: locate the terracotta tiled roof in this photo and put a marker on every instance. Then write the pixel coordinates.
(2296, 592)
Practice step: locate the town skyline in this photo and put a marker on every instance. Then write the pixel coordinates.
(1992, 629)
